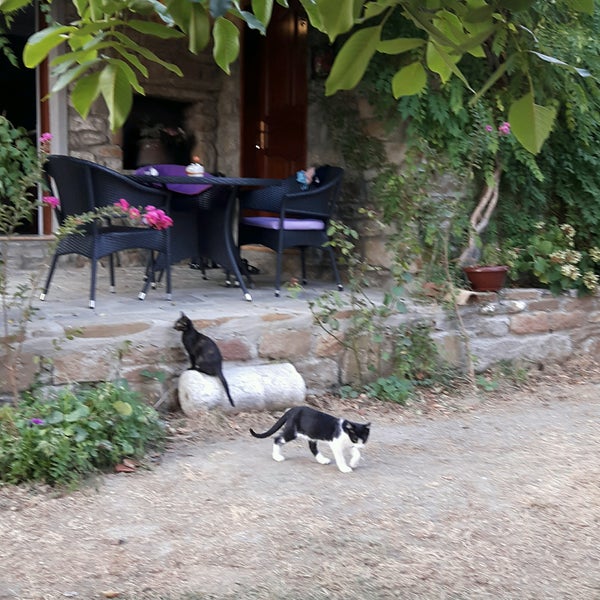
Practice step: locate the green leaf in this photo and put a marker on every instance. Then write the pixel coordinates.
(199, 28)
(517, 5)
(148, 54)
(250, 19)
(80, 434)
(263, 10)
(314, 16)
(41, 43)
(117, 93)
(227, 43)
(133, 59)
(337, 16)
(55, 418)
(352, 60)
(586, 6)
(409, 80)
(439, 61)
(129, 74)
(531, 123)
(123, 408)
(81, 412)
(155, 29)
(70, 75)
(399, 45)
(8, 6)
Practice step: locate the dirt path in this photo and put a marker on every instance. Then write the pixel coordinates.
(482, 499)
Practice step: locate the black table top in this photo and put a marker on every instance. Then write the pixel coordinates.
(207, 180)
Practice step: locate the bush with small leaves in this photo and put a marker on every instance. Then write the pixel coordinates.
(75, 433)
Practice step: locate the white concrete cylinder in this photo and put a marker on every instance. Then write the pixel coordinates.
(257, 387)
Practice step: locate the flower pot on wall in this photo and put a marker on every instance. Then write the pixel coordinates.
(486, 279)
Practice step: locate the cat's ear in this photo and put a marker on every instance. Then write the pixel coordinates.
(182, 314)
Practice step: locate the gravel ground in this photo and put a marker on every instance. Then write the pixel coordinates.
(458, 496)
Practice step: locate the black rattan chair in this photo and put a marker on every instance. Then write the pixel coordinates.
(299, 218)
(83, 186)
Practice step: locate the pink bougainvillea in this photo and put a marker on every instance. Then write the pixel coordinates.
(148, 215)
(52, 201)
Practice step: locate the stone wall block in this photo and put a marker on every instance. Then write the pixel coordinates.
(235, 349)
(26, 372)
(528, 323)
(84, 366)
(496, 327)
(319, 373)
(522, 294)
(327, 345)
(286, 343)
(566, 320)
(545, 304)
(538, 348)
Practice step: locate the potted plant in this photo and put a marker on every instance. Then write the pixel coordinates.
(488, 273)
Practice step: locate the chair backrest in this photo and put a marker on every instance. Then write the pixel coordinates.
(82, 186)
(319, 200)
(73, 183)
(110, 186)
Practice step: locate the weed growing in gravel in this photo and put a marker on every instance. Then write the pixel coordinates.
(60, 440)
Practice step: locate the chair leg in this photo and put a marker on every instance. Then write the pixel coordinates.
(303, 263)
(111, 267)
(150, 276)
(278, 273)
(93, 283)
(49, 278)
(336, 273)
(168, 269)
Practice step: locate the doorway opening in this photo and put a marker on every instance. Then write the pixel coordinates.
(275, 96)
(18, 101)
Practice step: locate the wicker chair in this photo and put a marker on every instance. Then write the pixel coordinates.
(83, 186)
(295, 218)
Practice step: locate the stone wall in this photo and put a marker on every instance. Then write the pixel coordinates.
(528, 325)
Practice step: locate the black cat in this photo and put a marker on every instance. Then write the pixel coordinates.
(204, 354)
(306, 422)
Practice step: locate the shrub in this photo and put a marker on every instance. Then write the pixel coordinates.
(75, 433)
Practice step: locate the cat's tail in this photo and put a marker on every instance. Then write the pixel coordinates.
(273, 429)
(224, 382)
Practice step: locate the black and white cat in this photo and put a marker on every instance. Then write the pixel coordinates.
(316, 426)
(203, 352)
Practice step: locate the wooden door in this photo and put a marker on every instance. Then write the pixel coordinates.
(274, 96)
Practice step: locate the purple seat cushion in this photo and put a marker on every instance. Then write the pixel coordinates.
(296, 224)
(188, 189)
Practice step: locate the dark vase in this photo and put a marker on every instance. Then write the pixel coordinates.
(486, 279)
(151, 152)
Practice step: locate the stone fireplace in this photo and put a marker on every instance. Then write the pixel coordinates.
(156, 132)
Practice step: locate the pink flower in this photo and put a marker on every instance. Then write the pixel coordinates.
(157, 218)
(52, 201)
(134, 213)
(45, 138)
(504, 129)
(489, 128)
(123, 204)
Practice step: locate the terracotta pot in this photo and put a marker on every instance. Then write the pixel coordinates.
(486, 279)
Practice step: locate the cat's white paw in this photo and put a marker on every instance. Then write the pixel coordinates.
(354, 463)
(277, 454)
(345, 469)
(323, 460)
